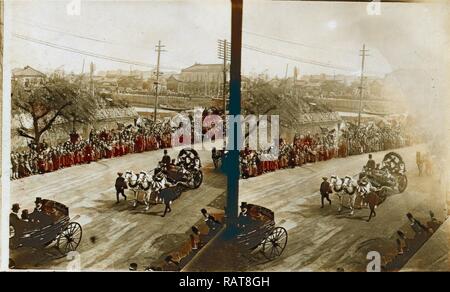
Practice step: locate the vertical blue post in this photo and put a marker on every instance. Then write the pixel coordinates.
(234, 109)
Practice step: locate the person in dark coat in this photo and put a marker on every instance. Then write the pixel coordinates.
(210, 220)
(325, 190)
(120, 185)
(168, 194)
(38, 216)
(370, 165)
(165, 159)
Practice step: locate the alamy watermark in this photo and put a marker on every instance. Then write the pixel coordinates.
(250, 132)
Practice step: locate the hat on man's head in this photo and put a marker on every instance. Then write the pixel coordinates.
(15, 207)
(243, 205)
(38, 200)
(325, 178)
(120, 173)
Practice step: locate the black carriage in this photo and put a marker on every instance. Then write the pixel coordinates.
(60, 231)
(260, 233)
(187, 171)
(392, 173)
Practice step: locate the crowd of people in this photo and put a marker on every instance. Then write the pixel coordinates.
(311, 148)
(101, 144)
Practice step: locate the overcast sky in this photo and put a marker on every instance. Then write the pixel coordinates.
(403, 36)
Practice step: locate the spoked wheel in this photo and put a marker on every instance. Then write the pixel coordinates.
(70, 238)
(273, 246)
(402, 182)
(189, 158)
(394, 163)
(197, 179)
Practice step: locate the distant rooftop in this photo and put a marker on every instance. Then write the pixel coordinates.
(27, 71)
(203, 68)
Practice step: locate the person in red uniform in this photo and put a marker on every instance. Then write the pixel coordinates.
(41, 164)
(87, 153)
(109, 152)
(55, 159)
(49, 163)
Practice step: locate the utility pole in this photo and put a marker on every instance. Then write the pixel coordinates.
(159, 50)
(232, 159)
(224, 48)
(286, 73)
(91, 77)
(363, 59)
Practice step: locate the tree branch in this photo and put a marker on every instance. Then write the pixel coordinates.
(52, 120)
(24, 134)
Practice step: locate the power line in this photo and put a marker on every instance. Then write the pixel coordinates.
(297, 43)
(297, 59)
(86, 53)
(81, 52)
(48, 28)
(90, 38)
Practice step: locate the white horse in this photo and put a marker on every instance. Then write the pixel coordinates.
(150, 185)
(337, 184)
(350, 189)
(132, 181)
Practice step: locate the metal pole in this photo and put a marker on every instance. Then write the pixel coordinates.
(224, 95)
(234, 109)
(158, 49)
(361, 84)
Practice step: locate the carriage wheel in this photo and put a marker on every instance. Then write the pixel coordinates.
(273, 246)
(394, 162)
(198, 179)
(188, 154)
(402, 182)
(70, 238)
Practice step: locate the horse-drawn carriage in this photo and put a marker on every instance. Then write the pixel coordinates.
(373, 185)
(260, 233)
(184, 174)
(60, 230)
(391, 174)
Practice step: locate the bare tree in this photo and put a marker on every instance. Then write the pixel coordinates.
(55, 98)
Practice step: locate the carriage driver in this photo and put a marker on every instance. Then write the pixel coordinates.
(165, 161)
(370, 165)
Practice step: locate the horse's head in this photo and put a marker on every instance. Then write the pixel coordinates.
(128, 174)
(334, 180)
(142, 176)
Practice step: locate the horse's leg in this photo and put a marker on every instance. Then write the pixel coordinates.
(135, 199)
(352, 204)
(340, 202)
(147, 201)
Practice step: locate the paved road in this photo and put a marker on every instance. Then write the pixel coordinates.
(323, 240)
(120, 235)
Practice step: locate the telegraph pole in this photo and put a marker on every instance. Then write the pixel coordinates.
(224, 48)
(363, 59)
(232, 160)
(159, 49)
(91, 76)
